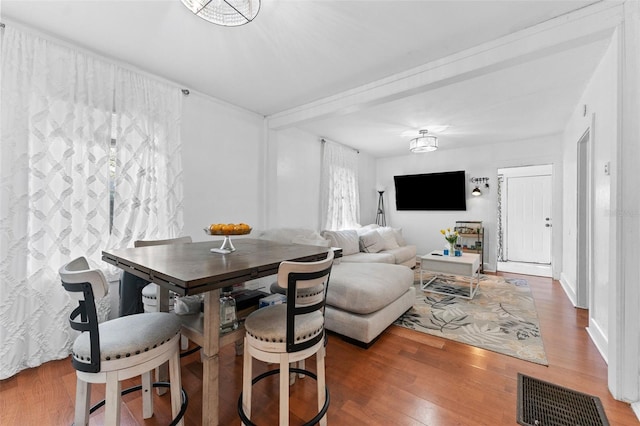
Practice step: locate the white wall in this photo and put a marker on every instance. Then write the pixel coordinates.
(222, 153)
(422, 227)
(600, 99)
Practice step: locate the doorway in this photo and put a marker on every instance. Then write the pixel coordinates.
(583, 224)
(524, 240)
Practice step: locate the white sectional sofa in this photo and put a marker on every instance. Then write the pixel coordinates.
(367, 291)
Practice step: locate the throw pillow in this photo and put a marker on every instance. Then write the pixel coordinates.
(347, 240)
(371, 242)
(399, 237)
(389, 237)
(366, 228)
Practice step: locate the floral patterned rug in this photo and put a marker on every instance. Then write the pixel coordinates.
(501, 317)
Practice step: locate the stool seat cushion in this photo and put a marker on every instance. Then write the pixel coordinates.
(269, 324)
(129, 336)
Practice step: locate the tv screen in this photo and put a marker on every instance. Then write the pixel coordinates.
(431, 191)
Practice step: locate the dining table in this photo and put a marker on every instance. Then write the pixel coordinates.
(193, 268)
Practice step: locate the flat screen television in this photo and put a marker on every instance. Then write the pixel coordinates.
(431, 191)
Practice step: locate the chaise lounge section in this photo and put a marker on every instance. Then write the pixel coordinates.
(367, 291)
(365, 298)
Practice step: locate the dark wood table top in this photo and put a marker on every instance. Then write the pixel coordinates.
(192, 268)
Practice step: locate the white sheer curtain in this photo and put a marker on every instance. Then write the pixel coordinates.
(340, 200)
(56, 106)
(148, 181)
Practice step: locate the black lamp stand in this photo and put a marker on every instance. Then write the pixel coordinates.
(380, 220)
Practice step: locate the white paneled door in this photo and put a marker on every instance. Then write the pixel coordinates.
(528, 219)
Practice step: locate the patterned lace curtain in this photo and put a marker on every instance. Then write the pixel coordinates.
(340, 201)
(56, 106)
(148, 180)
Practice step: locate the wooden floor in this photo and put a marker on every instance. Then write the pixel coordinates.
(405, 378)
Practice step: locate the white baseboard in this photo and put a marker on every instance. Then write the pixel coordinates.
(599, 339)
(525, 268)
(569, 290)
(635, 406)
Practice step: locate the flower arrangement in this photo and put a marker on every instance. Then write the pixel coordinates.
(451, 237)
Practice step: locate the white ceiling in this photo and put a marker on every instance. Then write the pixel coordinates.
(299, 51)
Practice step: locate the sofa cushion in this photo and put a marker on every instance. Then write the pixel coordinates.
(389, 237)
(365, 288)
(381, 257)
(371, 242)
(347, 240)
(402, 254)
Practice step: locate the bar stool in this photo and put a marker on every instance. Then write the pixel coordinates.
(289, 333)
(118, 349)
(150, 291)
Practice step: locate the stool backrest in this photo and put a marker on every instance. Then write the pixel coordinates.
(84, 285)
(306, 284)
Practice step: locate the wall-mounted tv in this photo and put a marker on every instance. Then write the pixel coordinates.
(431, 191)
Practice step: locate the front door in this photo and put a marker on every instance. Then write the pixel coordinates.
(528, 219)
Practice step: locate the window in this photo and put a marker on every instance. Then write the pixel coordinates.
(340, 201)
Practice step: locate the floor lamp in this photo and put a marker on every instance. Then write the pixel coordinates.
(380, 220)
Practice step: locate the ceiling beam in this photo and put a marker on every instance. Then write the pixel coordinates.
(586, 25)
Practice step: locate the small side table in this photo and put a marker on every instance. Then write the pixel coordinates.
(467, 265)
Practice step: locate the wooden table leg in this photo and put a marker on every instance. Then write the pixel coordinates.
(210, 360)
(162, 305)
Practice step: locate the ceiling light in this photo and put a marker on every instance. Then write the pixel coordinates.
(423, 143)
(229, 13)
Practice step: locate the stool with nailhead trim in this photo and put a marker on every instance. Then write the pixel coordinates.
(118, 349)
(289, 333)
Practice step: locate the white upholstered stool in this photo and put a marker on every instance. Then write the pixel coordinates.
(289, 333)
(118, 349)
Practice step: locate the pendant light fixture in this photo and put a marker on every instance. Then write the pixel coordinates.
(229, 13)
(423, 143)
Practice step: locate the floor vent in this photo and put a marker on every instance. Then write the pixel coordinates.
(545, 404)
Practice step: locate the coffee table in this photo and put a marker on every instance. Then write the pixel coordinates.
(467, 265)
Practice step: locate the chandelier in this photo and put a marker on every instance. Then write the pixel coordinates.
(230, 13)
(423, 143)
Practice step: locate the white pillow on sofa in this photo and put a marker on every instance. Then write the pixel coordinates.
(399, 237)
(347, 240)
(389, 237)
(371, 242)
(367, 228)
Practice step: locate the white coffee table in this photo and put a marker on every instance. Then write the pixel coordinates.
(467, 265)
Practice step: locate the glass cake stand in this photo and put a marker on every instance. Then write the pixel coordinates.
(227, 245)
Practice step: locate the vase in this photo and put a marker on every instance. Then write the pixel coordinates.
(452, 249)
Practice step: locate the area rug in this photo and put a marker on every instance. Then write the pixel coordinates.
(501, 317)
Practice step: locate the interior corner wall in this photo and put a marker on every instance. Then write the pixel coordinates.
(294, 165)
(222, 161)
(601, 117)
(421, 228)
